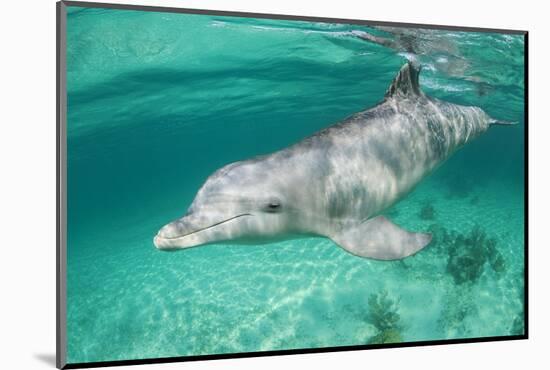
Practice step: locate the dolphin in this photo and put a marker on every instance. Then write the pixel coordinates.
(412, 40)
(337, 182)
(442, 52)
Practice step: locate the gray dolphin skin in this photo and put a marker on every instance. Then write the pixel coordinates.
(337, 182)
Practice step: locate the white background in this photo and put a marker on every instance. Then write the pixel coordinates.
(27, 182)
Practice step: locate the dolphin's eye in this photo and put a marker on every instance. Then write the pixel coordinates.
(273, 206)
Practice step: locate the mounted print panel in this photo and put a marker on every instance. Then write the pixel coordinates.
(240, 185)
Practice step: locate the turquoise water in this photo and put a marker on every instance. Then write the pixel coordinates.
(157, 102)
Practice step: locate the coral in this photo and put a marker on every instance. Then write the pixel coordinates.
(383, 311)
(441, 238)
(384, 316)
(468, 254)
(466, 260)
(387, 336)
(427, 212)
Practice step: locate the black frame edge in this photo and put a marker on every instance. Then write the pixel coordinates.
(61, 106)
(163, 9)
(57, 274)
(61, 260)
(526, 186)
(288, 352)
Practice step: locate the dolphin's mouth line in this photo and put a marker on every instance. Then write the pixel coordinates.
(205, 228)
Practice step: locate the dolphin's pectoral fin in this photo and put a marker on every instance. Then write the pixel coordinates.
(381, 239)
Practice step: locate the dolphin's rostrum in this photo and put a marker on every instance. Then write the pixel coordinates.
(337, 182)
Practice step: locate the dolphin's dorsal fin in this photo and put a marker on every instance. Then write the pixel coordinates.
(406, 83)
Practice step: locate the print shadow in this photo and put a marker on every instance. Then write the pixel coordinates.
(46, 358)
